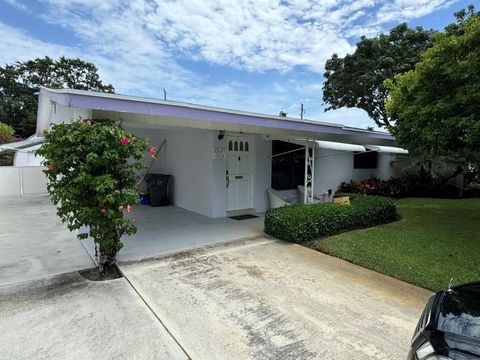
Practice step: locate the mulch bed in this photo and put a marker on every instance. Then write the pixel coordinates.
(108, 273)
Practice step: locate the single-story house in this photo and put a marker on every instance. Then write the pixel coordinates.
(224, 161)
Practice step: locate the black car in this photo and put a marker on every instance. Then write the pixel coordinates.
(449, 327)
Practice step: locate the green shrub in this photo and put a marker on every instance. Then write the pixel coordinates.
(6, 136)
(472, 190)
(303, 223)
(6, 133)
(93, 179)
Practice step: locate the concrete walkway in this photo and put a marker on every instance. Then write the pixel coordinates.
(34, 243)
(67, 317)
(266, 299)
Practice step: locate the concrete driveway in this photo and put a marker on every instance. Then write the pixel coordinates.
(48, 311)
(67, 317)
(34, 243)
(249, 299)
(266, 299)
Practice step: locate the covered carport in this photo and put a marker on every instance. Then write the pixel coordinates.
(170, 229)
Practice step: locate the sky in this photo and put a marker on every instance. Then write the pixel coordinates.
(263, 56)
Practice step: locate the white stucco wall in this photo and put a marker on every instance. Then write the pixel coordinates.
(331, 168)
(219, 192)
(48, 113)
(198, 180)
(187, 157)
(10, 180)
(385, 169)
(26, 157)
(21, 180)
(262, 172)
(362, 174)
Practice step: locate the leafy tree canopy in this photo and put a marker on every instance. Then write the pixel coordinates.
(20, 82)
(436, 106)
(357, 80)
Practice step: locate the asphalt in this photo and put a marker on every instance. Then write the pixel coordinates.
(266, 299)
(67, 317)
(34, 243)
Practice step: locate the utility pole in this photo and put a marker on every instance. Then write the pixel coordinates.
(302, 111)
(164, 94)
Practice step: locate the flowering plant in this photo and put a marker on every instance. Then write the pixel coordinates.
(93, 180)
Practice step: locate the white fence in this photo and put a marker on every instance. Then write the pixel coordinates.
(22, 180)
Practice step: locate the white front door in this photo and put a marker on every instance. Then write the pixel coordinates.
(239, 172)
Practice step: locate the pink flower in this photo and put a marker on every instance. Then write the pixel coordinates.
(84, 121)
(125, 140)
(129, 208)
(153, 151)
(103, 210)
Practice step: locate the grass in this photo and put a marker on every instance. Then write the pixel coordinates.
(435, 240)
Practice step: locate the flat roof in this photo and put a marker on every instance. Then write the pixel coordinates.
(147, 106)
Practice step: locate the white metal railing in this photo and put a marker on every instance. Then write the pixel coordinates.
(22, 180)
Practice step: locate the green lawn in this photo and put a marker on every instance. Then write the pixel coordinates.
(435, 240)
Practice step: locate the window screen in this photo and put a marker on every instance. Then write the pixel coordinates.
(365, 160)
(288, 170)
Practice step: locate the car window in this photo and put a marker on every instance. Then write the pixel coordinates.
(460, 312)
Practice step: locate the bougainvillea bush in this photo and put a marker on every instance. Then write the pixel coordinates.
(92, 171)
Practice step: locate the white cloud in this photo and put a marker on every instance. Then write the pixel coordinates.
(346, 116)
(17, 4)
(410, 9)
(139, 45)
(252, 35)
(18, 45)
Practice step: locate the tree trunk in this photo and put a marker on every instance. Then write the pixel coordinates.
(108, 254)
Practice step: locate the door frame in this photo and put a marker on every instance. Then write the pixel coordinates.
(251, 143)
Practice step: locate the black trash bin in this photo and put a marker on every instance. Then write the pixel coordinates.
(158, 188)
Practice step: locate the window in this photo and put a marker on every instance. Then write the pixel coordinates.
(246, 145)
(288, 170)
(235, 146)
(230, 146)
(365, 160)
(241, 145)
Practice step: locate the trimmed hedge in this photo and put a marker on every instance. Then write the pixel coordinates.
(303, 223)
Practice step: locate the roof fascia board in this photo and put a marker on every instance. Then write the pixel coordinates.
(59, 98)
(190, 113)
